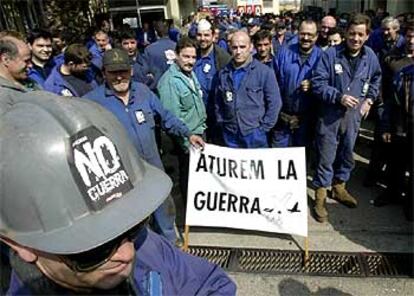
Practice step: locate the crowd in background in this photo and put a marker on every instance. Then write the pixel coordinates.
(285, 101)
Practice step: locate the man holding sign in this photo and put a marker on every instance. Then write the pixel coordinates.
(180, 92)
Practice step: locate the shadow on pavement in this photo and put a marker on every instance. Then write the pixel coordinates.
(288, 287)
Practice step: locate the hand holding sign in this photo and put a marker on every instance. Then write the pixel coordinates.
(196, 141)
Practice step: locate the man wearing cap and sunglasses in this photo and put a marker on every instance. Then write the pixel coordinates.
(75, 218)
(136, 106)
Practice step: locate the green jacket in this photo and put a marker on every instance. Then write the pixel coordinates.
(178, 96)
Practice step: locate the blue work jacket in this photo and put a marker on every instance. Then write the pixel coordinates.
(97, 56)
(205, 70)
(254, 104)
(156, 59)
(333, 78)
(290, 72)
(138, 118)
(270, 63)
(160, 269)
(55, 83)
(378, 45)
(290, 38)
(40, 76)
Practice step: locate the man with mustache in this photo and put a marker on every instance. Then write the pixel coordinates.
(135, 106)
(294, 66)
(347, 82)
(180, 92)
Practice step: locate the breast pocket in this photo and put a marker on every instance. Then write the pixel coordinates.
(186, 100)
(254, 96)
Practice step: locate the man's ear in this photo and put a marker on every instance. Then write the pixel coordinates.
(24, 252)
(5, 59)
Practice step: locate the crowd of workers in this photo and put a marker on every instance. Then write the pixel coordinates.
(241, 82)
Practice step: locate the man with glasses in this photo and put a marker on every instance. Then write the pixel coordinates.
(75, 219)
(293, 67)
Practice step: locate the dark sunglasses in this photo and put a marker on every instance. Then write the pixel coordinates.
(92, 259)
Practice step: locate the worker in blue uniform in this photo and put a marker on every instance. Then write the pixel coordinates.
(262, 41)
(40, 43)
(383, 41)
(158, 56)
(247, 99)
(210, 60)
(98, 48)
(294, 66)
(74, 77)
(347, 81)
(397, 125)
(78, 225)
(135, 106)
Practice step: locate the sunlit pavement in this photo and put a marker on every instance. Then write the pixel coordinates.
(363, 229)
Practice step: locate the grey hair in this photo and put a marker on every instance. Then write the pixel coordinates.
(391, 20)
(9, 47)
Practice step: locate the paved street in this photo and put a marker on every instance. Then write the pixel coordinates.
(364, 229)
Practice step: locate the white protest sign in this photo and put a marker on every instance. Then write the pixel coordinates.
(255, 189)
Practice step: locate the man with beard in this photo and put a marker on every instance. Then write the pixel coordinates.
(210, 59)
(327, 23)
(135, 106)
(397, 124)
(180, 92)
(294, 66)
(72, 78)
(262, 41)
(347, 81)
(40, 43)
(247, 98)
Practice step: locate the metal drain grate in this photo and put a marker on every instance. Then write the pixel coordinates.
(395, 265)
(219, 256)
(320, 263)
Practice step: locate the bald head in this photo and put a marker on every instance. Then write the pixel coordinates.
(15, 59)
(240, 47)
(327, 23)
